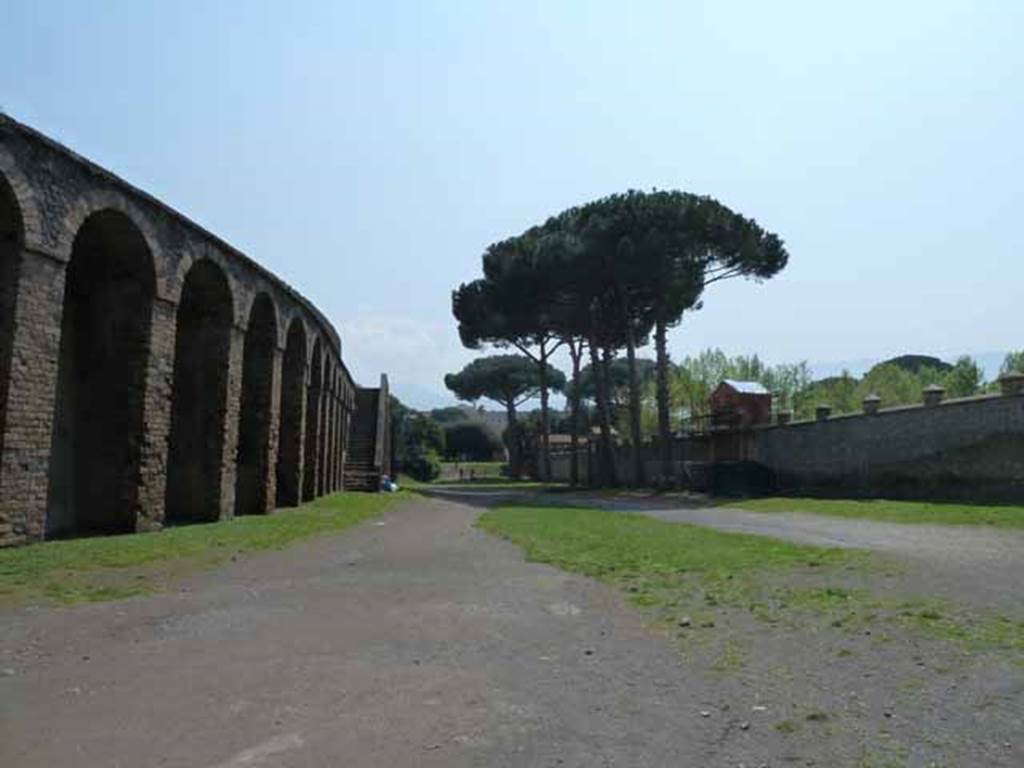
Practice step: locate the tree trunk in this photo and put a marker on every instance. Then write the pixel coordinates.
(606, 475)
(634, 388)
(576, 353)
(545, 424)
(664, 425)
(634, 410)
(512, 436)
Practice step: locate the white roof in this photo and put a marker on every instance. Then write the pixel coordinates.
(747, 387)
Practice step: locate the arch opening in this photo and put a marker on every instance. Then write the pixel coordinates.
(195, 461)
(321, 448)
(314, 463)
(11, 238)
(97, 434)
(289, 450)
(254, 418)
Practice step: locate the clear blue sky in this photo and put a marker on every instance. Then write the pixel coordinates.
(368, 152)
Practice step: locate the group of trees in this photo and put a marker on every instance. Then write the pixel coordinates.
(467, 437)
(899, 381)
(417, 442)
(601, 278)
(421, 440)
(509, 380)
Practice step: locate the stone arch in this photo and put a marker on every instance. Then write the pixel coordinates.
(12, 237)
(314, 463)
(94, 199)
(97, 431)
(289, 451)
(195, 459)
(192, 251)
(254, 418)
(23, 197)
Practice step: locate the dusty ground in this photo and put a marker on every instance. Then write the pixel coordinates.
(417, 640)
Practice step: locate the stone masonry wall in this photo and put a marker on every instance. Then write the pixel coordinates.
(961, 449)
(970, 449)
(48, 195)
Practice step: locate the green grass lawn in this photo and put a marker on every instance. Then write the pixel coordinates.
(495, 484)
(674, 570)
(892, 511)
(479, 468)
(113, 567)
(484, 481)
(625, 545)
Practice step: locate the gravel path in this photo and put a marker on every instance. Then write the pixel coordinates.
(417, 640)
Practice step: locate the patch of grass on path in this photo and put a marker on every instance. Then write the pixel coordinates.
(478, 468)
(480, 485)
(625, 545)
(669, 569)
(96, 569)
(493, 485)
(936, 513)
(678, 571)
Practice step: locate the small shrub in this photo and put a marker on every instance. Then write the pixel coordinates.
(423, 467)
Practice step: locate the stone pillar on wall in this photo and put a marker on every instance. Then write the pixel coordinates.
(1012, 384)
(333, 445)
(344, 419)
(314, 464)
(232, 407)
(823, 412)
(156, 416)
(275, 426)
(933, 395)
(872, 403)
(320, 474)
(335, 410)
(317, 443)
(326, 439)
(302, 434)
(329, 438)
(24, 471)
(337, 443)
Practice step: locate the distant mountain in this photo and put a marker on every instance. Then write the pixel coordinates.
(914, 363)
(989, 362)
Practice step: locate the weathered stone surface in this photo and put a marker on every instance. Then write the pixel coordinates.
(964, 449)
(137, 346)
(967, 449)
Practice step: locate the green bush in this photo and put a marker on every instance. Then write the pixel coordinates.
(423, 466)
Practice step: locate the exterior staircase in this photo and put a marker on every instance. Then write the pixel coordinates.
(361, 470)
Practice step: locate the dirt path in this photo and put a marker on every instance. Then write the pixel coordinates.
(417, 640)
(412, 641)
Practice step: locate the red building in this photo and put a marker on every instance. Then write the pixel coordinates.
(740, 404)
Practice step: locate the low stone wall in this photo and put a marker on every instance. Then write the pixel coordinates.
(960, 449)
(968, 449)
